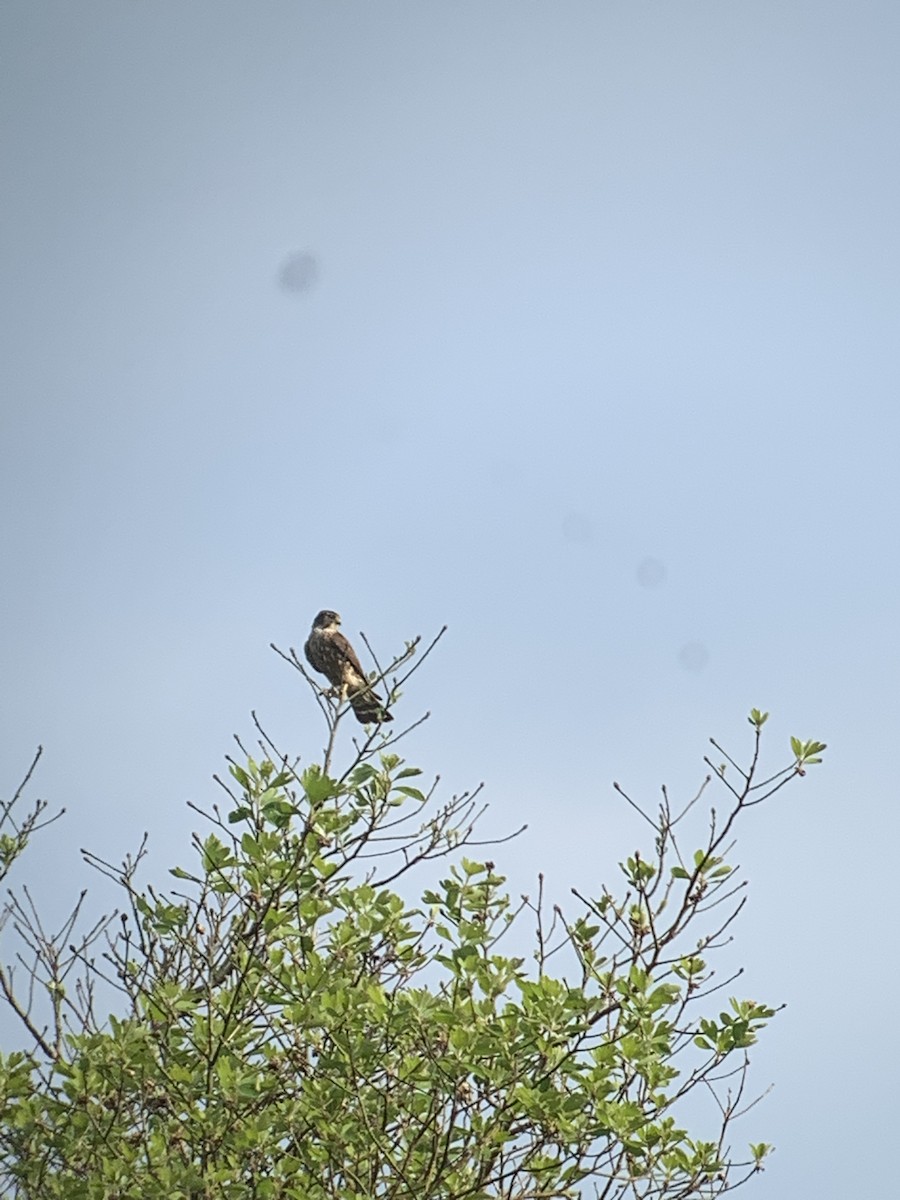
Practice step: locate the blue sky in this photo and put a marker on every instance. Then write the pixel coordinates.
(590, 286)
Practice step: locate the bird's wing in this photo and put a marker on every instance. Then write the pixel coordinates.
(348, 654)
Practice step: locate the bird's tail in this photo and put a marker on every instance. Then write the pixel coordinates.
(368, 707)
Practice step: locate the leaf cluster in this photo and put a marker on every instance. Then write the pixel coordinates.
(289, 1024)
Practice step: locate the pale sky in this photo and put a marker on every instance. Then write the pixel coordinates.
(572, 325)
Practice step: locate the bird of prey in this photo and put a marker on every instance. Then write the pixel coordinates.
(328, 652)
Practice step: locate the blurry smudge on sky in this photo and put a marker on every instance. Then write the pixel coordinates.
(651, 573)
(577, 527)
(299, 273)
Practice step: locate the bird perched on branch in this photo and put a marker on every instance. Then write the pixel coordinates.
(328, 652)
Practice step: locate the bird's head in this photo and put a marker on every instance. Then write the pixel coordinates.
(326, 619)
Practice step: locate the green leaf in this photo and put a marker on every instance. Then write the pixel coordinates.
(318, 787)
(362, 774)
(216, 854)
(413, 793)
(240, 775)
(807, 753)
(251, 847)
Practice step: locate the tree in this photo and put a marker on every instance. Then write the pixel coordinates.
(294, 1020)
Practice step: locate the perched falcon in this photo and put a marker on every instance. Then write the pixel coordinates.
(328, 652)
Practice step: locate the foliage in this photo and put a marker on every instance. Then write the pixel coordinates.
(289, 1025)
